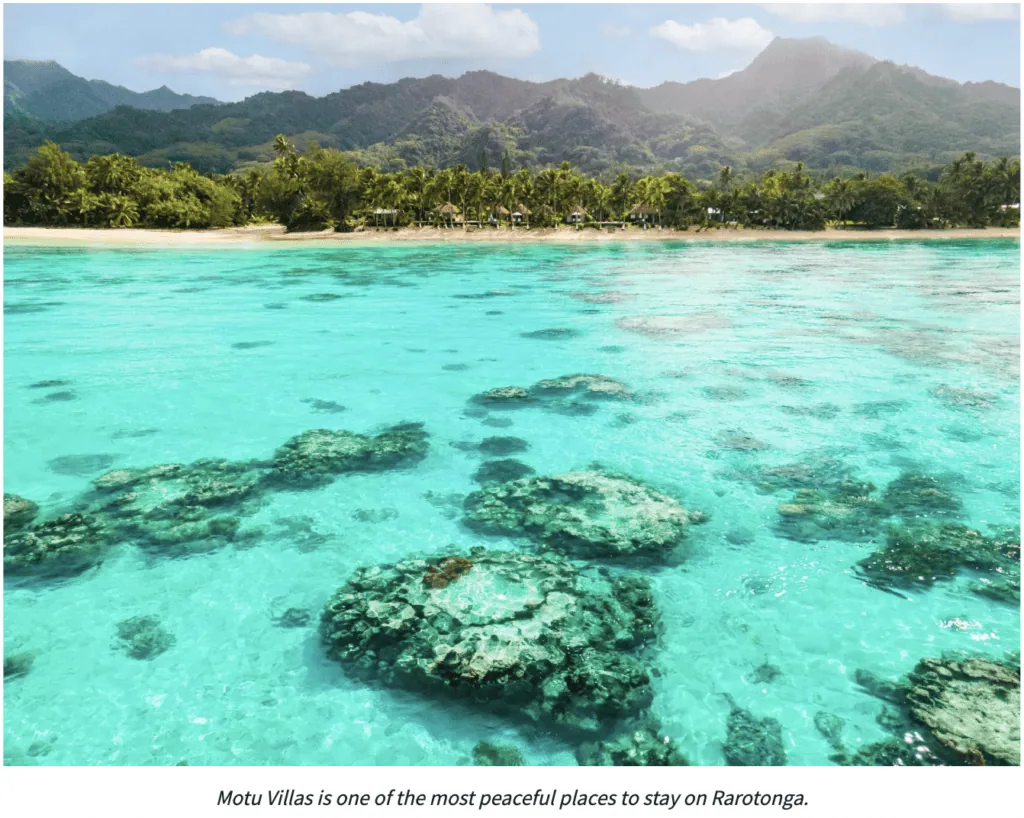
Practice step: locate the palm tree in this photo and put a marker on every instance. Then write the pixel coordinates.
(840, 197)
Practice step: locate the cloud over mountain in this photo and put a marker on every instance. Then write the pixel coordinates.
(717, 34)
(254, 71)
(438, 32)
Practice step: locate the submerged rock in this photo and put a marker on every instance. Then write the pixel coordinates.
(17, 665)
(513, 632)
(643, 747)
(963, 398)
(972, 706)
(890, 752)
(845, 512)
(486, 754)
(590, 386)
(831, 727)
(499, 446)
(504, 397)
(589, 513)
(913, 494)
(293, 618)
(178, 509)
(502, 471)
(921, 554)
(64, 546)
(143, 637)
(18, 513)
(315, 457)
(752, 742)
(820, 473)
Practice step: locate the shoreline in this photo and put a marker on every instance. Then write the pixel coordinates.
(263, 235)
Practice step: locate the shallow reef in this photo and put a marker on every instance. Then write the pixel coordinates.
(845, 511)
(315, 457)
(959, 709)
(516, 633)
(61, 547)
(17, 665)
(585, 513)
(18, 513)
(644, 746)
(487, 754)
(502, 471)
(143, 637)
(177, 509)
(752, 742)
(913, 494)
(922, 553)
(569, 394)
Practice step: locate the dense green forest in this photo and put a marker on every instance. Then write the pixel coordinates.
(324, 188)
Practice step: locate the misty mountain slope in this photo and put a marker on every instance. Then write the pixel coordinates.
(46, 90)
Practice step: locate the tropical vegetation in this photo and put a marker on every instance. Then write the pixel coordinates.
(322, 188)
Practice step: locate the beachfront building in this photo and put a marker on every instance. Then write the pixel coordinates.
(381, 217)
(521, 215)
(447, 213)
(578, 216)
(641, 213)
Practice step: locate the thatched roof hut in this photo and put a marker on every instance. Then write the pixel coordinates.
(447, 209)
(642, 210)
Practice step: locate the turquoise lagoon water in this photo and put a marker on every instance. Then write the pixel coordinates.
(172, 356)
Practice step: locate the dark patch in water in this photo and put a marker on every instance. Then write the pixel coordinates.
(494, 312)
(26, 307)
(251, 344)
(497, 423)
(189, 290)
(962, 434)
(739, 536)
(57, 397)
(823, 411)
(612, 348)
(81, 465)
(724, 393)
(48, 384)
(126, 433)
(322, 297)
(552, 334)
(325, 405)
(502, 471)
(414, 349)
(276, 306)
(503, 445)
(375, 515)
(879, 408)
(455, 367)
(488, 294)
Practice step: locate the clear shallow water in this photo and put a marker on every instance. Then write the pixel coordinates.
(174, 356)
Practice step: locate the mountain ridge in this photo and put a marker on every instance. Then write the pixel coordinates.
(799, 100)
(46, 90)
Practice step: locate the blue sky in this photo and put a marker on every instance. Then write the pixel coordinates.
(231, 51)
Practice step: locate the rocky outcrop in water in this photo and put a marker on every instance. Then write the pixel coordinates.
(177, 509)
(752, 742)
(924, 553)
(569, 394)
(314, 458)
(18, 513)
(486, 754)
(971, 706)
(143, 637)
(62, 547)
(586, 513)
(847, 511)
(913, 494)
(512, 632)
(644, 746)
(961, 710)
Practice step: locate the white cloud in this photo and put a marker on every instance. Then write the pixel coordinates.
(971, 12)
(878, 15)
(725, 74)
(254, 71)
(717, 34)
(613, 30)
(437, 32)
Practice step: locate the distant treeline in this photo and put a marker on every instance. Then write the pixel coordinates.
(322, 188)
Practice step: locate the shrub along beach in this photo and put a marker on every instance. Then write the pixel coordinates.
(324, 190)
